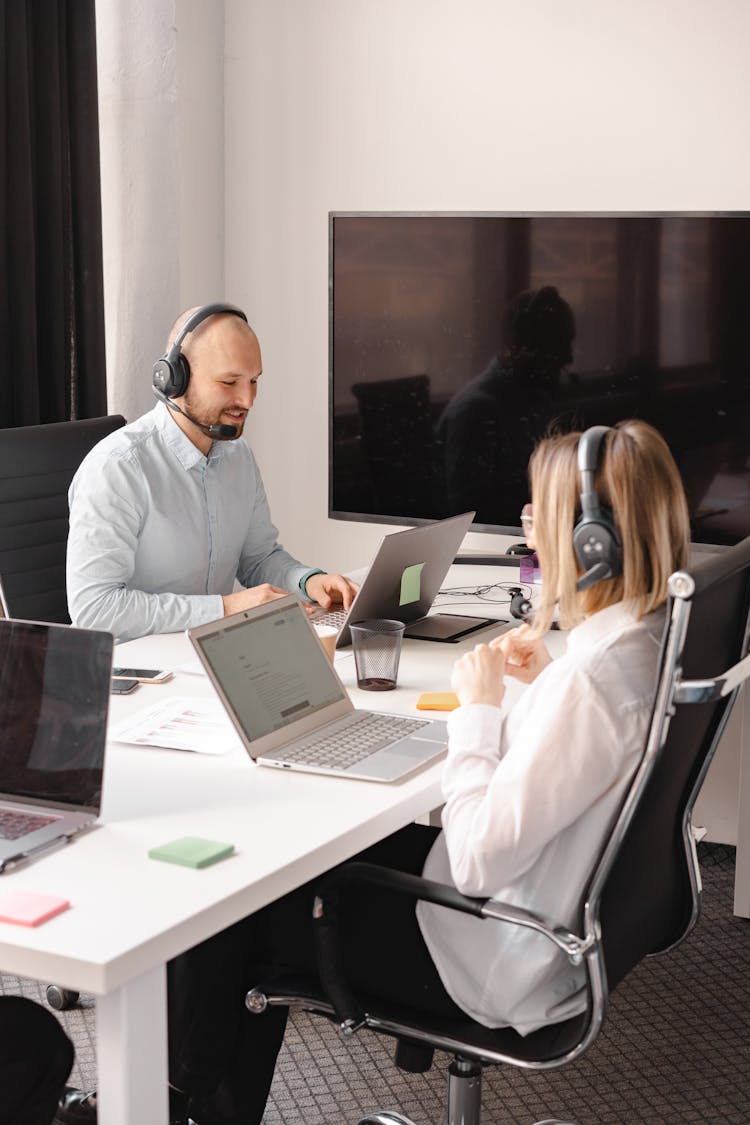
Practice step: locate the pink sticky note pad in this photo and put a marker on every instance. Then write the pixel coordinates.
(29, 908)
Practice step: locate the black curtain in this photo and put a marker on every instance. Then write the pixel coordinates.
(51, 294)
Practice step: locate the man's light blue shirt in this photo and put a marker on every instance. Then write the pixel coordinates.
(159, 532)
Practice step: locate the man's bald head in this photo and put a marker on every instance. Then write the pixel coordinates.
(206, 328)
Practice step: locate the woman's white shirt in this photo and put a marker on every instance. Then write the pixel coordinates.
(530, 796)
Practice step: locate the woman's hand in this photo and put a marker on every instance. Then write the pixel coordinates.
(525, 654)
(478, 676)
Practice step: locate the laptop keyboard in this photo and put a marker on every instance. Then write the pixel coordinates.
(334, 617)
(345, 747)
(15, 824)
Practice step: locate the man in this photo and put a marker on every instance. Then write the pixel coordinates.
(167, 512)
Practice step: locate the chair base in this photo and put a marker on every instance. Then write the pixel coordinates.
(464, 1098)
(383, 1117)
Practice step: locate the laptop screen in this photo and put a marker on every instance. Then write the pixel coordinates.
(54, 699)
(271, 669)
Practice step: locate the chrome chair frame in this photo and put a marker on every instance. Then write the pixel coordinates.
(674, 690)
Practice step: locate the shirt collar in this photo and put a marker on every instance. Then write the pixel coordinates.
(188, 454)
(607, 622)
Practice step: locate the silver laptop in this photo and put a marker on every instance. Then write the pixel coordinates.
(290, 708)
(403, 581)
(54, 699)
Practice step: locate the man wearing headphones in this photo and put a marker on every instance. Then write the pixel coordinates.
(167, 512)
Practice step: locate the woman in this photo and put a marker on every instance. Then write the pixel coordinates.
(530, 794)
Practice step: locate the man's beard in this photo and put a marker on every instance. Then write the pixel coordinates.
(197, 414)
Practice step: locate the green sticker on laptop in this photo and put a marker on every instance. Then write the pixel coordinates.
(411, 584)
(192, 851)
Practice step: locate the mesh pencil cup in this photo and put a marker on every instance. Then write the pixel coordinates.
(377, 649)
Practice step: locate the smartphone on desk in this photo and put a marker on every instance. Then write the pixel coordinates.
(123, 687)
(142, 675)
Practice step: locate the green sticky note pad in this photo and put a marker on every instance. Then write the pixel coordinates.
(192, 851)
(411, 581)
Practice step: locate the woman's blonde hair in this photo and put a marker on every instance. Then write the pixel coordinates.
(638, 481)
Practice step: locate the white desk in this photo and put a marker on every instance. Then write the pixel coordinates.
(130, 914)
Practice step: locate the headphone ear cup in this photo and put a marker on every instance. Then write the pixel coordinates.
(182, 376)
(596, 541)
(171, 376)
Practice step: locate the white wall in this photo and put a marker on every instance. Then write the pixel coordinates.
(434, 105)
(161, 115)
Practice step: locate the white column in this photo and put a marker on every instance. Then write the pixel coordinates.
(161, 122)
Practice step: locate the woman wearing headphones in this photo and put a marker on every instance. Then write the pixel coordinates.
(530, 792)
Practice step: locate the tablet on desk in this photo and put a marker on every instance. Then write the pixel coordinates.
(448, 627)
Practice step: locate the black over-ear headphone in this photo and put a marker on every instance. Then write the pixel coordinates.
(171, 373)
(596, 540)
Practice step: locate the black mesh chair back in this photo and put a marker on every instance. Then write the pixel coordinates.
(37, 464)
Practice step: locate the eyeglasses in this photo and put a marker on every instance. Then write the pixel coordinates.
(527, 519)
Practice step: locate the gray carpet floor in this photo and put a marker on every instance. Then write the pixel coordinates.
(675, 1048)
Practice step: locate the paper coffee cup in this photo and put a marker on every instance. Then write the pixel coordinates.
(327, 635)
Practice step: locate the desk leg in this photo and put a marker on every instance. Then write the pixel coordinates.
(131, 1040)
(742, 868)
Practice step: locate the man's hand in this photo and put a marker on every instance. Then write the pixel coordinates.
(253, 595)
(525, 653)
(478, 676)
(331, 589)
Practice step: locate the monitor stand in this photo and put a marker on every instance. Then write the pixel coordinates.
(510, 558)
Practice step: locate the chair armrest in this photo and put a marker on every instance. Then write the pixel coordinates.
(703, 691)
(328, 939)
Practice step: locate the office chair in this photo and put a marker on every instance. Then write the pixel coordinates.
(37, 464)
(643, 896)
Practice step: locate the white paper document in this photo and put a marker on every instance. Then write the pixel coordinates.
(180, 723)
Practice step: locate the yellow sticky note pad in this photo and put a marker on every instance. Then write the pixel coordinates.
(411, 582)
(437, 701)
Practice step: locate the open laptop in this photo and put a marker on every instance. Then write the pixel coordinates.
(54, 699)
(403, 581)
(290, 708)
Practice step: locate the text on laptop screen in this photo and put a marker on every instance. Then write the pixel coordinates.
(272, 670)
(54, 697)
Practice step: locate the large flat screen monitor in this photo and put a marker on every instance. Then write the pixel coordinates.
(457, 341)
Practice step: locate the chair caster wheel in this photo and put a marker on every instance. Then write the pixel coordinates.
(61, 998)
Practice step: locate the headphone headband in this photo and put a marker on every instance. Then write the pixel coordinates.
(201, 314)
(589, 454)
(171, 373)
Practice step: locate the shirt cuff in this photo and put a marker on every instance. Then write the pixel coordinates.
(474, 724)
(303, 582)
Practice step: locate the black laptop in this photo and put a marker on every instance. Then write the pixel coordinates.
(54, 700)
